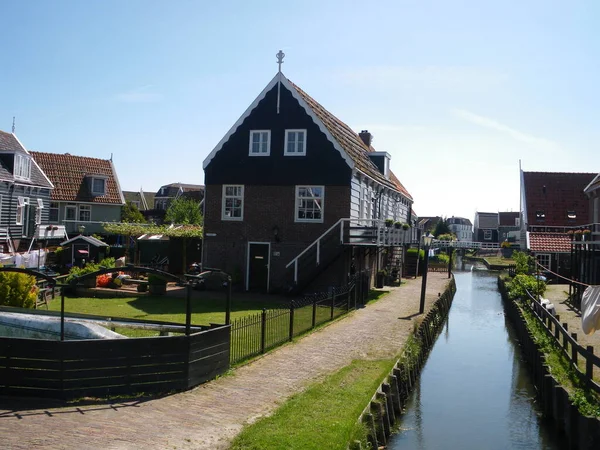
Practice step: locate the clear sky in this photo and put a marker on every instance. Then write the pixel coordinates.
(456, 91)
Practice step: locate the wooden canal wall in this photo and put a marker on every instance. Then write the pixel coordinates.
(388, 403)
(583, 433)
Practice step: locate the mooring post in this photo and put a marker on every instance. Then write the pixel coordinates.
(228, 303)
(450, 262)
(62, 313)
(188, 308)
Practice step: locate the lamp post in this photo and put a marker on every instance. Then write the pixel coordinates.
(427, 239)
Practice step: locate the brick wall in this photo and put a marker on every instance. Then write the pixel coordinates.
(265, 207)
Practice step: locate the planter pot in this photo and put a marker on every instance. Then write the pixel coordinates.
(379, 279)
(157, 289)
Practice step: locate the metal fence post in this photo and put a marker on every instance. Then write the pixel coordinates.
(291, 320)
(62, 314)
(332, 303)
(188, 308)
(349, 295)
(228, 303)
(314, 312)
(263, 329)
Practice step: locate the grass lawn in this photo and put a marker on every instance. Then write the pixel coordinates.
(206, 308)
(324, 416)
(499, 261)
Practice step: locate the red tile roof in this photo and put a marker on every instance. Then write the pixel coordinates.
(352, 144)
(68, 174)
(549, 242)
(555, 194)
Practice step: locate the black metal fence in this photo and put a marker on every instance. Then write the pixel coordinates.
(255, 334)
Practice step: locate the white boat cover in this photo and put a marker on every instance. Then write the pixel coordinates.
(590, 310)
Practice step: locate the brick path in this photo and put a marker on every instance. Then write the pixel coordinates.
(210, 415)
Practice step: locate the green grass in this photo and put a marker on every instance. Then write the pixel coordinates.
(323, 416)
(500, 261)
(205, 310)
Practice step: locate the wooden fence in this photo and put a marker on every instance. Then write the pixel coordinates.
(105, 368)
(255, 334)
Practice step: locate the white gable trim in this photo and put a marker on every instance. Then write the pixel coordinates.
(35, 162)
(279, 77)
(587, 188)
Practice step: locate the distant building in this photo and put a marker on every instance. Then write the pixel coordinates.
(485, 227)
(143, 201)
(461, 227)
(509, 227)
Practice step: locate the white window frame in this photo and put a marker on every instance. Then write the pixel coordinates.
(38, 211)
(260, 153)
(22, 167)
(22, 203)
(297, 204)
(54, 206)
(103, 191)
(487, 235)
(286, 151)
(544, 259)
(224, 198)
(71, 208)
(84, 208)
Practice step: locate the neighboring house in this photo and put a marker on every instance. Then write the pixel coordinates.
(587, 250)
(427, 224)
(289, 190)
(24, 194)
(509, 227)
(461, 227)
(144, 201)
(485, 227)
(167, 193)
(552, 203)
(87, 191)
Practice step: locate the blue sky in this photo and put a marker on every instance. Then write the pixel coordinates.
(456, 91)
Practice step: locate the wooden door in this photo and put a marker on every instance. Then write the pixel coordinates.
(258, 266)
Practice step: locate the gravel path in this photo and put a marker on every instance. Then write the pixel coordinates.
(209, 416)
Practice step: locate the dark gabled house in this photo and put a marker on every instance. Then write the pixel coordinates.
(87, 191)
(552, 204)
(509, 227)
(24, 195)
(169, 192)
(427, 224)
(485, 227)
(296, 197)
(144, 201)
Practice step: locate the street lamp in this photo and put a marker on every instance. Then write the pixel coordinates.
(427, 239)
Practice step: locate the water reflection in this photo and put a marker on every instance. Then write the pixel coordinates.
(474, 392)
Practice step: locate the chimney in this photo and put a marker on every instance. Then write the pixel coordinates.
(366, 137)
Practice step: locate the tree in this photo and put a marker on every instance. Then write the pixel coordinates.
(131, 214)
(441, 227)
(184, 211)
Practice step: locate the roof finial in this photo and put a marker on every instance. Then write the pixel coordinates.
(280, 55)
(13, 127)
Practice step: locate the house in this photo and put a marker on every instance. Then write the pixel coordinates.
(552, 203)
(427, 224)
(143, 201)
(169, 192)
(509, 227)
(86, 194)
(485, 227)
(24, 194)
(295, 197)
(461, 227)
(586, 247)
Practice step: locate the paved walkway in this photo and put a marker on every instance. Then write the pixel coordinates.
(209, 416)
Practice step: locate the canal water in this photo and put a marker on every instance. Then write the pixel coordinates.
(474, 391)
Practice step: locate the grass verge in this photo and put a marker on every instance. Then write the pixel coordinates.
(560, 366)
(323, 416)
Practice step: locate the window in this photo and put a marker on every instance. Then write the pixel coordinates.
(22, 167)
(309, 203)
(85, 213)
(22, 203)
(53, 216)
(544, 259)
(98, 186)
(571, 216)
(487, 235)
(295, 143)
(540, 215)
(71, 212)
(38, 211)
(260, 143)
(517, 221)
(233, 202)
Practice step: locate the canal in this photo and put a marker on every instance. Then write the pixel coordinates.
(474, 391)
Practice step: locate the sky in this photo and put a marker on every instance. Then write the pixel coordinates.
(458, 92)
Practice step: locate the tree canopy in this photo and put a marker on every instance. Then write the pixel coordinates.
(184, 211)
(441, 227)
(131, 214)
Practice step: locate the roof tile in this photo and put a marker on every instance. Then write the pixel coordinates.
(549, 242)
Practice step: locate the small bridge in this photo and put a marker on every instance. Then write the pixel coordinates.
(465, 244)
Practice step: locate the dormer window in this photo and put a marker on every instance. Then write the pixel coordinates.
(98, 186)
(260, 143)
(540, 215)
(571, 215)
(295, 143)
(22, 169)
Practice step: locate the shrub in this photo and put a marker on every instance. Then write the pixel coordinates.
(524, 263)
(17, 289)
(520, 283)
(446, 237)
(109, 263)
(442, 258)
(405, 226)
(389, 222)
(413, 251)
(505, 244)
(79, 271)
